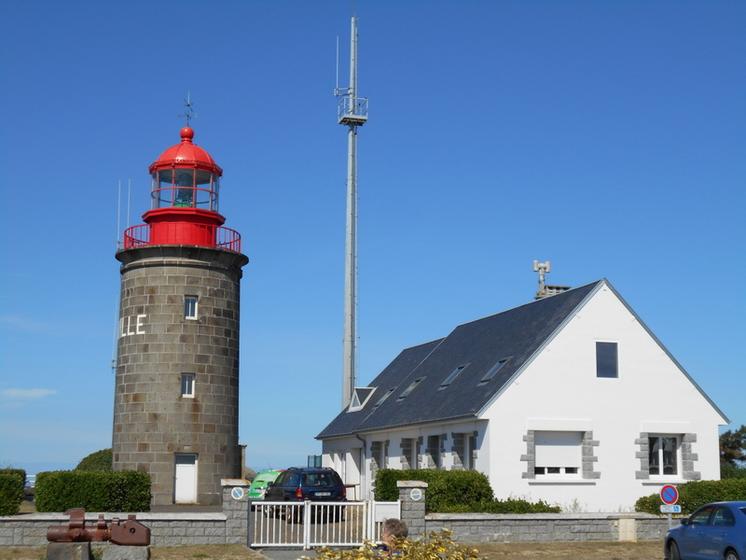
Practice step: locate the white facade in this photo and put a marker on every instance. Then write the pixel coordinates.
(559, 433)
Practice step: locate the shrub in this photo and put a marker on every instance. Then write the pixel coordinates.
(94, 491)
(649, 504)
(445, 488)
(509, 505)
(12, 482)
(732, 471)
(693, 495)
(18, 472)
(438, 546)
(96, 461)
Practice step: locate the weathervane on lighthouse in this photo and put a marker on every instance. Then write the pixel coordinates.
(352, 112)
(188, 113)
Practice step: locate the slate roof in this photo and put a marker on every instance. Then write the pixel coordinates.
(515, 334)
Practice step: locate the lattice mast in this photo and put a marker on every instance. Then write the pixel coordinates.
(352, 112)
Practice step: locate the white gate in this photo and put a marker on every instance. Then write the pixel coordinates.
(314, 524)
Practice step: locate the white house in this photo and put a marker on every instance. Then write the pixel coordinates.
(570, 399)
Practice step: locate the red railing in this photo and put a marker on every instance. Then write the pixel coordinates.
(226, 239)
(136, 236)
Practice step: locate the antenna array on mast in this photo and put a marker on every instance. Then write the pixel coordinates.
(352, 112)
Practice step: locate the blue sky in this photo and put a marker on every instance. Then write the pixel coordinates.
(607, 137)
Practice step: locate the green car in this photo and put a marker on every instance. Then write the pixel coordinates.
(259, 485)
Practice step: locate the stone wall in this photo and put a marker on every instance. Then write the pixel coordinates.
(548, 527)
(166, 529)
(153, 422)
(232, 525)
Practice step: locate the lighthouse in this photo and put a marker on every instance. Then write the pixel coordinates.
(177, 370)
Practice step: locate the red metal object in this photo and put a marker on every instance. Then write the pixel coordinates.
(129, 532)
(185, 201)
(186, 154)
(219, 237)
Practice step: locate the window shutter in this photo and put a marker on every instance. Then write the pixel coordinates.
(558, 449)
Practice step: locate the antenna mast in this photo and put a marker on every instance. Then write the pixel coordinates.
(352, 112)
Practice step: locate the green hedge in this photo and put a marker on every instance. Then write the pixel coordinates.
(18, 472)
(12, 482)
(510, 505)
(94, 491)
(445, 488)
(693, 495)
(96, 461)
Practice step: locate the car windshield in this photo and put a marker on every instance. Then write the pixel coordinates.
(743, 510)
(318, 479)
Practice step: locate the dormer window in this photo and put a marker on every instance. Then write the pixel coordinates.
(360, 397)
(409, 389)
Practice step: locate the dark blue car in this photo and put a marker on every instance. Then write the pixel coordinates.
(715, 531)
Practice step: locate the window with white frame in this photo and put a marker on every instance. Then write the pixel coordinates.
(663, 455)
(558, 453)
(190, 307)
(187, 385)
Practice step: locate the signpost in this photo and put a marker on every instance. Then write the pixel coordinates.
(669, 496)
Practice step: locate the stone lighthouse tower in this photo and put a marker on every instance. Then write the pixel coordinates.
(176, 394)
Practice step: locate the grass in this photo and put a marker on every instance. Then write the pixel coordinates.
(572, 551)
(213, 552)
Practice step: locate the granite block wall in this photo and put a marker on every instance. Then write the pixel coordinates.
(157, 344)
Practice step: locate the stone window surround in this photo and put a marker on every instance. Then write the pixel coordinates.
(588, 457)
(459, 448)
(410, 449)
(688, 457)
(429, 461)
(383, 445)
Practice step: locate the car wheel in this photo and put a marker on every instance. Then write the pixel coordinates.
(731, 554)
(673, 551)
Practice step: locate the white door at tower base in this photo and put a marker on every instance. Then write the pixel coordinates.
(185, 479)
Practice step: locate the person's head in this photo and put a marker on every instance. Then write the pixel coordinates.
(393, 529)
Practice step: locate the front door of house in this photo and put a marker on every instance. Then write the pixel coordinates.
(185, 479)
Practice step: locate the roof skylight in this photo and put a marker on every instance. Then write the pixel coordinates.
(451, 376)
(385, 396)
(493, 371)
(409, 389)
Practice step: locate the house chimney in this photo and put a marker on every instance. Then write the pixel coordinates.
(545, 290)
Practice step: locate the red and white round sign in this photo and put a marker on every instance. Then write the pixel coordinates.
(669, 494)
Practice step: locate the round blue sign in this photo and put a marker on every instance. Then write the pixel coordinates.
(237, 493)
(669, 494)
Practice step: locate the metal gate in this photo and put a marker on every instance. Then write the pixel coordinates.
(314, 524)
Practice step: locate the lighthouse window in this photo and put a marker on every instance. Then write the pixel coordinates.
(162, 188)
(206, 189)
(187, 385)
(184, 196)
(190, 307)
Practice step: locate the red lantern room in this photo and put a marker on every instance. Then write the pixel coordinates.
(184, 201)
